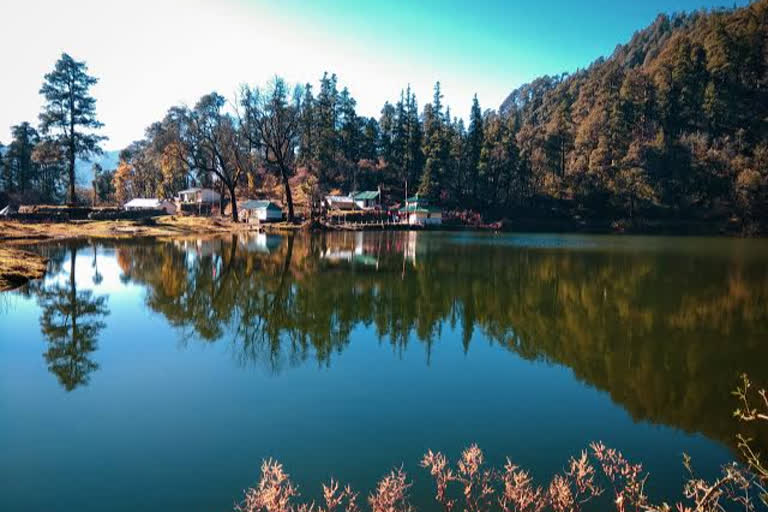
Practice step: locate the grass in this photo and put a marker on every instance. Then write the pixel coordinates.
(14, 231)
(17, 267)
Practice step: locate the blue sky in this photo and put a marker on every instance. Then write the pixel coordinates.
(151, 54)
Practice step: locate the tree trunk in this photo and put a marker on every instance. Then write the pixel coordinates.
(288, 197)
(234, 203)
(72, 172)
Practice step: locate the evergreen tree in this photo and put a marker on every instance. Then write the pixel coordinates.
(326, 143)
(475, 137)
(433, 179)
(370, 139)
(70, 112)
(414, 158)
(386, 132)
(349, 135)
(20, 168)
(48, 158)
(306, 130)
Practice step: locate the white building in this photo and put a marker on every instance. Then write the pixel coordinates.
(263, 211)
(150, 204)
(418, 212)
(199, 196)
(366, 200)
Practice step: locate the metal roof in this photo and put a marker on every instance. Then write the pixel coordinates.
(253, 204)
(415, 208)
(366, 195)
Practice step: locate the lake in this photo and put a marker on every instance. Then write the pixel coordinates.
(157, 375)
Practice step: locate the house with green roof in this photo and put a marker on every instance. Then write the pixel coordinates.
(260, 211)
(366, 199)
(418, 212)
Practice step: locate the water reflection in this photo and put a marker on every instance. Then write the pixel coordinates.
(665, 331)
(71, 321)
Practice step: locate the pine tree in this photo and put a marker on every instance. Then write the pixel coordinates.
(400, 140)
(386, 132)
(20, 167)
(370, 139)
(70, 111)
(435, 149)
(307, 125)
(414, 158)
(325, 135)
(474, 147)
(349, 128)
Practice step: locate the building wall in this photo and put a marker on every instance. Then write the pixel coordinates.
(267, 214)
(425, 219)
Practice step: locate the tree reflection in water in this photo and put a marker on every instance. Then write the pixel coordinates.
(665, 332)
(71, 321)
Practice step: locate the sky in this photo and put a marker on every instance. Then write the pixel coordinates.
(152, 54)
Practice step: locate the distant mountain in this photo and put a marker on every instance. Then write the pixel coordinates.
(84, 168)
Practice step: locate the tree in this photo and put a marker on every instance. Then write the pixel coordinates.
(325, 135)
(350, 134)
(49, 159)
(272, 124)
(103, 185)
(307, 129)
(20, 166)
(435, 148)
(474, 146)
(70, 111)
(217, 145)
(122, 182)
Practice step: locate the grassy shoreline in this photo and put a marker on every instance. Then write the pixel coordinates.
(18, 266)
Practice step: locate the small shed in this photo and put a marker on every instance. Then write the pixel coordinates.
(261, 211)
(150, 204)
(367, 199)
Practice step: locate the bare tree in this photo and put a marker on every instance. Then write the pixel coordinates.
(271, 124)
(215, 144)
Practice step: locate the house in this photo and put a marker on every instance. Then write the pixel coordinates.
(366, 200)
(150, 204)
(339, 202)
(199, 196)
(260, 211)
(418, 212)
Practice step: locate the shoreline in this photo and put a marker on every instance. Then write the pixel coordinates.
(18, 266)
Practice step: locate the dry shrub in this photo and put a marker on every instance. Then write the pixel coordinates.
(391, 493)
(473, 487)
(510, 489)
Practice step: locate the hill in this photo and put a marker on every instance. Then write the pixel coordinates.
(674, 124)
(84, 168)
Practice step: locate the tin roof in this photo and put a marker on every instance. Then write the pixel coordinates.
(366, 195)
(253, 204)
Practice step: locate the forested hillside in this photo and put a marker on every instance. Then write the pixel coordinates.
(668, 133)
(673, 124)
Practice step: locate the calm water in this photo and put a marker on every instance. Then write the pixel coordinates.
(157, 375)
